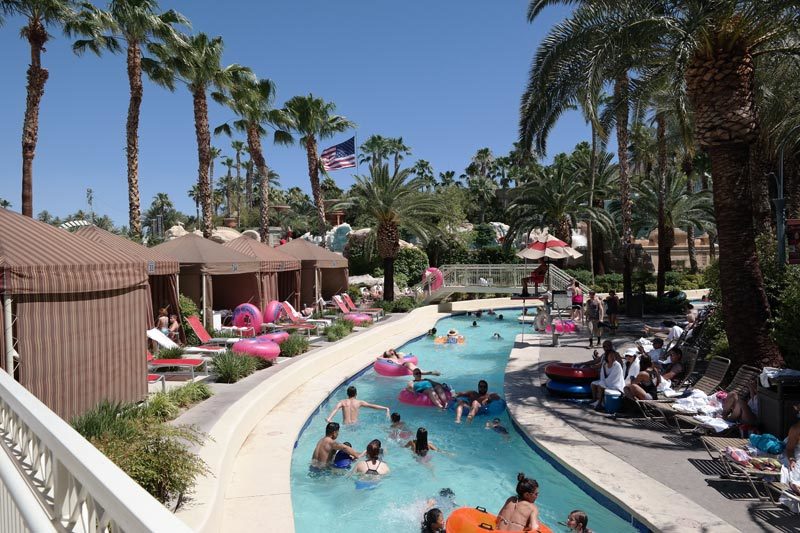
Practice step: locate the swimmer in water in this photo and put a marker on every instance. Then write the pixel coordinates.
(327, 447)
(496, 426)
(496, 335)
(351, 406)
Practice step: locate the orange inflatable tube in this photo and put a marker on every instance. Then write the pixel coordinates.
(477, 520)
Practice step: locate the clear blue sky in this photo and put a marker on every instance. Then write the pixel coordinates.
(445, 75)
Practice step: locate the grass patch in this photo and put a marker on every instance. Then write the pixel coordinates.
(190, 394)
(169, 353)
(295, 345)
(336, 331)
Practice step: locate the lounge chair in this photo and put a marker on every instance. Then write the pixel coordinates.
(376, 311)
(347, 314)
(741, 380)
(297, 321)
(205, 337)
(708, 383)
(165, 342)
(152, 379)
(190, 364)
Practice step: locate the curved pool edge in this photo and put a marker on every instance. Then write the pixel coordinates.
(242, 490)
(606, 477)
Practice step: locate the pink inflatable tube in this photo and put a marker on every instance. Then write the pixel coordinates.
(388, 367)
(421, 400)
(247, 316)
(358, 318)
(255, 348)
(272, 311)
(435, 276)
(277, 337)
(562, 326)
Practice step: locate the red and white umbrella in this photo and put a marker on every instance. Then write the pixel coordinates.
(549, 247)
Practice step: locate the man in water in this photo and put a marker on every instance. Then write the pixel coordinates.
(351, 406)
(327, 447)
(475, 400)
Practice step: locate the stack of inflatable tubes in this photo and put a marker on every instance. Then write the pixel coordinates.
(265, 349)
(247, 316)
(570, 381)
(493, 408)
(475, 520)
(277, 337)
(389, 367)
(272, 312)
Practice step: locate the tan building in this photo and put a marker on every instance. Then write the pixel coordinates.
(680, 252)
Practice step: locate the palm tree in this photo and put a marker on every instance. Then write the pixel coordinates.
(423, 170)
(252, 100)
(194, 194)
(196, 61)
(39, 15)
(313, 119)
(482, 189)
(554, 197)
(239, 148)
(447, 178)
(5, 204)
(713, 46)
(482, 164)
(137, 23)
(215, 154)
(227, 185)
(392, 202)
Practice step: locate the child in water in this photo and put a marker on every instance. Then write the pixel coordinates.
(578, 521)
(496, 335)
(496, 426)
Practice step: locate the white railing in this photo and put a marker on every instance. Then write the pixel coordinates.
(52, 479)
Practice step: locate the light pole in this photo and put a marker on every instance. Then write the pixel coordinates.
(780, 211)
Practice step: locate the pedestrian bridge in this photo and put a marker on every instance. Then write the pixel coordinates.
(493, 279)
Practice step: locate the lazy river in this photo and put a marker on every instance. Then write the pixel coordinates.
(477, 464)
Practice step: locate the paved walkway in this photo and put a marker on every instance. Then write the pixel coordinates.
(680, 464)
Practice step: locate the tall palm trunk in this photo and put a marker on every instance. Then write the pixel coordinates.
(248, 183)
(228, 193)
(238, 188)
(132, 137)
(621, 100)
(37, 77)
(592, 179)
(720, 87)
(792, 177)
(663, 250)
(257, 155)
(316, 191)
(688, 169)
(203, 157)
(388, 246)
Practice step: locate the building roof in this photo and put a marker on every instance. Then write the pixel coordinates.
(203, 256)
(158, 263)
(272, 259)
(312, 255)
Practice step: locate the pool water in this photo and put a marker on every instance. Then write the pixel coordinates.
(479, 465)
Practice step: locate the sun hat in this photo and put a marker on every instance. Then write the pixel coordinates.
(631, 352)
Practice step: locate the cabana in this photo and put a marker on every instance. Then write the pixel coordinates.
(280, 272)
(162, 269)
(74, 318)
(214, 276)
(324, 273)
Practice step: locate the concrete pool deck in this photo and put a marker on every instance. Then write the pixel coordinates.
(244, 490)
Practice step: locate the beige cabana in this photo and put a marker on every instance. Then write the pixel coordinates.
(162, 269)
(324, 273)
(280, 272)
(75, 315)
(213, 276)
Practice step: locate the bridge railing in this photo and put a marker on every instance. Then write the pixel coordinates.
(52, 479)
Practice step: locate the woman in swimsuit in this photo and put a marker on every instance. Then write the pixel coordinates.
(432, 389)
(519, 512)
(645, 385)
(373, 466)
(421, 444)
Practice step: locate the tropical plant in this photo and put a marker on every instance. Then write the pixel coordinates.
(196, 61)
(423, 170)
(314, 119)
(295, 345)
(5, 204)
(714, 47)
(252, 101)
(38, 15)
(137, 23)
(392, 202)
(482, 190)
(230, 367)
(239, 148)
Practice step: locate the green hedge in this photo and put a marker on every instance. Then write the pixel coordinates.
(230, 367)
(674, 280)
(402, 304)
(295, 345)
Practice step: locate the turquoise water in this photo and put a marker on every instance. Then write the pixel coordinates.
(479, 465)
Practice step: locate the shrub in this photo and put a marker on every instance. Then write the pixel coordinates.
(491, 255)
(154, 454)
(336, 331)
(409, 266)
(230, 367)
(354, 292)
(403, 304)
(582, 275)
(484, 236)
(358, 260)
(400, 280)
(190, 394)
(161, 407)
(346, 324)
(170, 353)
(224, 334)
(294, 345)
(607, 282)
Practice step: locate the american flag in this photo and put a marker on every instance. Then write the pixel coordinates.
(342, 155)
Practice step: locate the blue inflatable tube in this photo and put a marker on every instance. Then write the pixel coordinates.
(495, 407)
(569, 390)
(342, 460)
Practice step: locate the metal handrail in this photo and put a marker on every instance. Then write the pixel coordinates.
(74, 484)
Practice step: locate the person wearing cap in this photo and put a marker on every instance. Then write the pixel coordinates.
(631, 364)
(594, 315)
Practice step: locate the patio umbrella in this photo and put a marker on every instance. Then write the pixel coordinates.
(549, 247)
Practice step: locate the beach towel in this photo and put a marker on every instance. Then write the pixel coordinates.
(767, 443)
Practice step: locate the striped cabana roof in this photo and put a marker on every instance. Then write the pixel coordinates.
(272, 259)
(158, 263)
